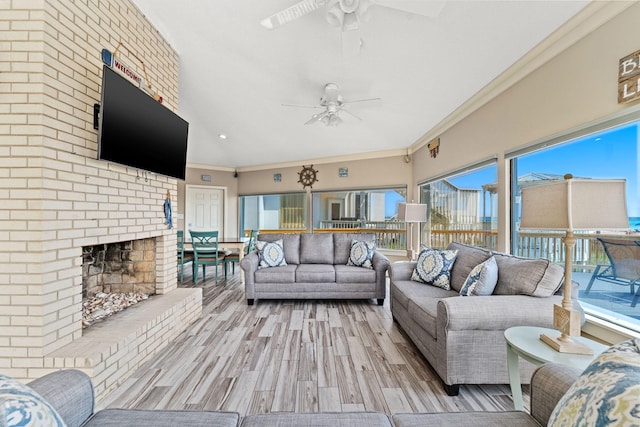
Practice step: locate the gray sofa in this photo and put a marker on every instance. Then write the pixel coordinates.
(70, 393)
(316, 269)
(462, 337)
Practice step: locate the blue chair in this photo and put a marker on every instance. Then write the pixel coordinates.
(183, 258)
(234, 257)
(205, 252)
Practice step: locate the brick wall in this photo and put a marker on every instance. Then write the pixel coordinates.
(55, 197)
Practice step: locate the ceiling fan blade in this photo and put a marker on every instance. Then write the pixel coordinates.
(351, 114)
(350, 35)
(430, 8)
(301, 106)
(363, 100)
(291, 13)
(316, 118)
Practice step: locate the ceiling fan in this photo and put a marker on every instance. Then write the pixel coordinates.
(332, 104)
(348, 14)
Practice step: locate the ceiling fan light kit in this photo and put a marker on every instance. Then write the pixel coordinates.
(332, 104)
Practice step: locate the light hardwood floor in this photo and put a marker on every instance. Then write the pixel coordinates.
(295, 356)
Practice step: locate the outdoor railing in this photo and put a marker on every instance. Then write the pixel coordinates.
(587, 253)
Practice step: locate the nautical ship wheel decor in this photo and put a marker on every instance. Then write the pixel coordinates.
(308, 176)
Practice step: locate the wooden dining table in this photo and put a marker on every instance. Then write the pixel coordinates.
(234, 244)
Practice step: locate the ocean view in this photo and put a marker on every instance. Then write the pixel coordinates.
(634, 222)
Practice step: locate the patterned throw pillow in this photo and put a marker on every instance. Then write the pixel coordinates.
(434, 267)
(22, 406)
(607, 393)
(361, 254)
(482, 279)
(271, 254)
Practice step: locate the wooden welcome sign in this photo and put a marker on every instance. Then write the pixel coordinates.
(629, 78)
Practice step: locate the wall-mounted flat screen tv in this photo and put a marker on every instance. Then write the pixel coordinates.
(136, 130)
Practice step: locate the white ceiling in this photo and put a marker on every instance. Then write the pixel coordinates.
(235, 75)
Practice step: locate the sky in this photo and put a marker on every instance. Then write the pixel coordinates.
(608, 154)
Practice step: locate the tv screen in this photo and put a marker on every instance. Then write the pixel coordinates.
(136, 130)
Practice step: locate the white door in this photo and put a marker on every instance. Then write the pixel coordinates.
(204, 209)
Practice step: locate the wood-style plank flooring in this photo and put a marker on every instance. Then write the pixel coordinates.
(295, 356)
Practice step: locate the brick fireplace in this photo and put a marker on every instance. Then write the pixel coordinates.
(58, 199)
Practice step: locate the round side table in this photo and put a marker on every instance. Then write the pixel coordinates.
(524, 341)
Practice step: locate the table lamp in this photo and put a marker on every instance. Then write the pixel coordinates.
(568, 205)
(412, 213)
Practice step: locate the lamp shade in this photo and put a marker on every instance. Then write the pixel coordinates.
(575, 204)
(412, 212)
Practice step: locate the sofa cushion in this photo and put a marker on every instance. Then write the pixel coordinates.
(434, 266)
(350, 274)
(405, 290)
(526, 276)
(271, 254)
(607, 393)
(162, 418)
(461, 419)
(424, 311)
(315, 273)
(316, 248)
(20, 405)
(290, 243)
(317, 419)
(361, 253)
(342, 245)
(468, 257)
(284, 274)
(482, 279)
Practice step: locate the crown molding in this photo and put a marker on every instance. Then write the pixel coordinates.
(297, 163)
(592, 16)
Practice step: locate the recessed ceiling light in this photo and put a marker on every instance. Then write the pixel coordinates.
(222, 136)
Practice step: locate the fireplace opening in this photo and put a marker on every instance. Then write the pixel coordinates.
(116, 276)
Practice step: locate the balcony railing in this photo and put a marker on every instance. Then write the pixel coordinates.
(587, 253)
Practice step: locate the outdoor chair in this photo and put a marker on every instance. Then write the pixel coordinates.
(206, 251)
(623, 268)
(183, 258)
(234, 257)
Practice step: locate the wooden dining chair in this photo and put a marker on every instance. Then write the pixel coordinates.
(206, 251)
(234, 257)
(183, 258)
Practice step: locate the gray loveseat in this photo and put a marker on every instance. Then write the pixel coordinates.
(316, 269)
(462, 337)
(70, 393)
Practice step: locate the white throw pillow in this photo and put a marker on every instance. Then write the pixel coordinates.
(482, 279)
(21, 406)
(270, 254)
(434, 267)
(361, 254)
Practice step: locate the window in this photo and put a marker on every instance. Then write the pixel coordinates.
(462, 207)
(273, 212)
(368, 210)
(610, 152)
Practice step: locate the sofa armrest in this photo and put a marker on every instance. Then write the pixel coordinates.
(401, 270)
(380, 262)
(249, 264)
(549, 383)
(70, 392)
(496, 312)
